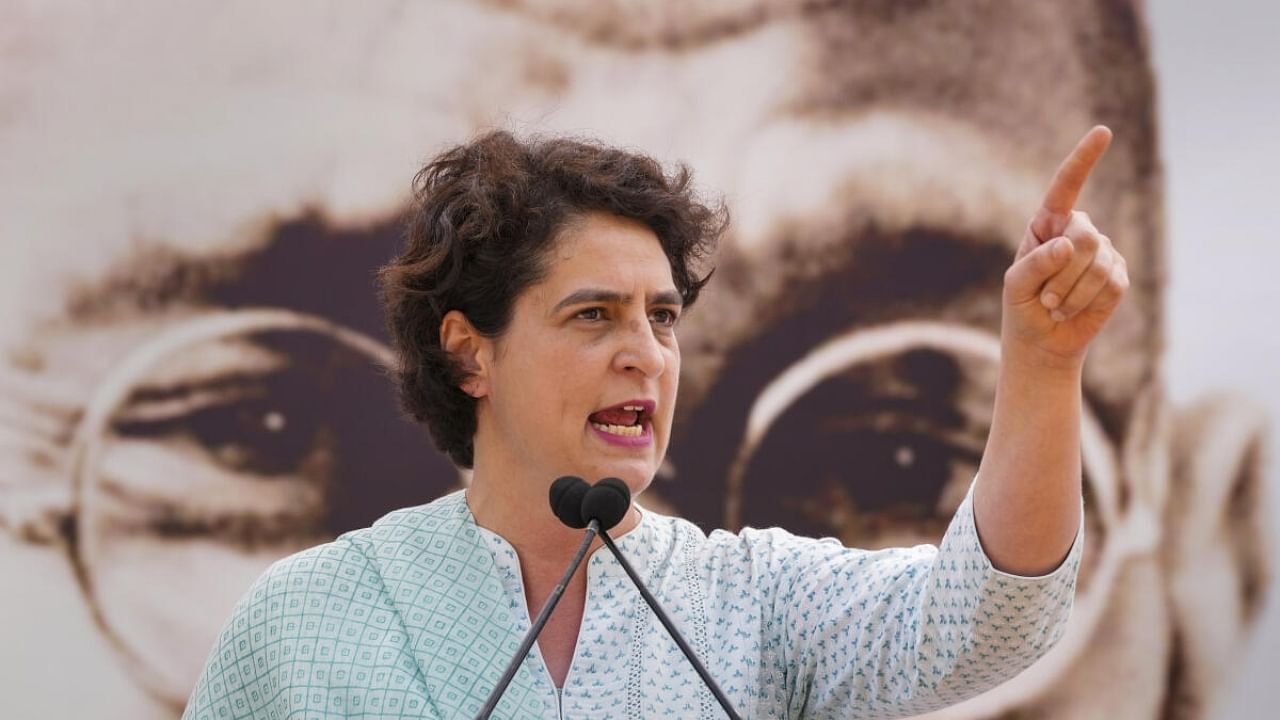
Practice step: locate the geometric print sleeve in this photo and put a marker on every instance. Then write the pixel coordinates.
(315, 636)
(900, 632)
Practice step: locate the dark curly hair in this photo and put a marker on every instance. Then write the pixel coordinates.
(482, 218)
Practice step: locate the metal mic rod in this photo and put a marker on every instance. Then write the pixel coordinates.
(671, 629)
(544, 614)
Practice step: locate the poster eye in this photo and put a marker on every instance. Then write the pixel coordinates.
(261, 431)
(881, 450)
(869, 488)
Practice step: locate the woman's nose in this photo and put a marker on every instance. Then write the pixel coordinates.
(641, 351)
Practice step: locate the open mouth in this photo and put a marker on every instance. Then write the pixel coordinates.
(628, 420)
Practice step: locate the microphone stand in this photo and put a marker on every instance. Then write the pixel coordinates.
(671, 629)
(544, 614)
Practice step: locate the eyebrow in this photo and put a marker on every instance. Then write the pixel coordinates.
(611, 297)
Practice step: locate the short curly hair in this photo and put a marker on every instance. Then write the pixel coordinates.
(482, 218)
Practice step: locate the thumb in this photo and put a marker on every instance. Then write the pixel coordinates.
(1028, 274)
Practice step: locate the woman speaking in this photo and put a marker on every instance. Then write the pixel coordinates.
(535, 309)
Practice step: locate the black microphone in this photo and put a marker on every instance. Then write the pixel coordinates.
(568, 494)
(566, 500)
(609, 500)
(606, 501)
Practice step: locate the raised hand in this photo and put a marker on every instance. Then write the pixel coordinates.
(1067, 278)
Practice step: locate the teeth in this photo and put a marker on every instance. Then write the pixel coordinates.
(623, 430)
(636, 408)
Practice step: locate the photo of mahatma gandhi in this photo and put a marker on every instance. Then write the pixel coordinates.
(210, 394)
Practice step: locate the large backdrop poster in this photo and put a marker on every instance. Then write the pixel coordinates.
(196, 196)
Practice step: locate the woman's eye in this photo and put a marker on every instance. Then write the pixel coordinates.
(665, 317)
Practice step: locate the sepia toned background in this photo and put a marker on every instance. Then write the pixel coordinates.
(194, 198)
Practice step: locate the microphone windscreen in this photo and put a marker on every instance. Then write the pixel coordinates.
(567, 494)
(606, 501)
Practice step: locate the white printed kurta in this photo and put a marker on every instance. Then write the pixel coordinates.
(417, 616)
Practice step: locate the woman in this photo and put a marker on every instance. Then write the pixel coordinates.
(535, 308)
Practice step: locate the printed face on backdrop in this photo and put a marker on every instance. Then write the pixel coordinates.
(203, 415)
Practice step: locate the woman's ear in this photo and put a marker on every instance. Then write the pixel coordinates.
(469, 348)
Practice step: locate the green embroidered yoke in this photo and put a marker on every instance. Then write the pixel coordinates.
(417, 616)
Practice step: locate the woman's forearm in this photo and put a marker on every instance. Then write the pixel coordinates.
(1027, 498)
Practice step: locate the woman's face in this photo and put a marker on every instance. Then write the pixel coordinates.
(584, 379)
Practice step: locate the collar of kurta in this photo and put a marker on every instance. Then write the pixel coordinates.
(462, 625)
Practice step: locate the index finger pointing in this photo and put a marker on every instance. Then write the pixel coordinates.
(1060, 199)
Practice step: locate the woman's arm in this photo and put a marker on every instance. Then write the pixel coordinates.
(1064, 284)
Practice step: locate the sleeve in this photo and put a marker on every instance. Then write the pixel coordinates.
(238, 680)
(901, 632)
(315, 636)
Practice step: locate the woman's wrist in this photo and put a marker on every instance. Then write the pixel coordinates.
(1044, 365)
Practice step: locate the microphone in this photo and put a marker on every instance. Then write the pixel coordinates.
(568, 495)
(606, 501)
(609, 500)
(566, 500)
